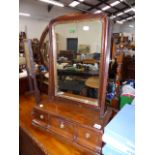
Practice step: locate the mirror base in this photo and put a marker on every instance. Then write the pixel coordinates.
(78, 124)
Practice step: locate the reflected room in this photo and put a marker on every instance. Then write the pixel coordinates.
(78, 48)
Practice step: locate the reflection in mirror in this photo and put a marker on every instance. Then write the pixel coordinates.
(78, 48)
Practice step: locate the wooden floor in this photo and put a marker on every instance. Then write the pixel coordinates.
(37, 141)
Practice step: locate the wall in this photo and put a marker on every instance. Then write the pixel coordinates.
(120, 28)
(35, 26)
(40, 17)
(92, 38)
(125, 27)
(32, 27)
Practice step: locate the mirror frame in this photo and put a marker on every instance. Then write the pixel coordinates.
(105, 55)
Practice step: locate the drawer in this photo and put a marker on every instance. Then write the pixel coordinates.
(62, 127)
(89, 138)
(40, 118)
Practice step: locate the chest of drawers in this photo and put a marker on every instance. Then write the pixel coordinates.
(71, 125)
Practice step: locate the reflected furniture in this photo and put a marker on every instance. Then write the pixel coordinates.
(73, 117)
(92, 82)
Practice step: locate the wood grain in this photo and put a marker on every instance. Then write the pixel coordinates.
(34, 141)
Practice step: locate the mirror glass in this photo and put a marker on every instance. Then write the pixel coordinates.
(78, 49)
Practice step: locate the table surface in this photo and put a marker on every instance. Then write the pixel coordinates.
(49, 144)
(92, 82)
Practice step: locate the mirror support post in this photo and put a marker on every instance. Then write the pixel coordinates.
(105, 63)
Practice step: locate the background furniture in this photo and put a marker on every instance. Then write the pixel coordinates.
(128, 68)
(122, 50)
(33, 88)
(23, 79)
(68, 54)
(42, 82)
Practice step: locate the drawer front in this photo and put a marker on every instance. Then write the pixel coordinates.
(40, 118)
(89, 138)
(62, 127)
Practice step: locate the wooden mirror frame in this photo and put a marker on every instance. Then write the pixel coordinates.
(105, 56)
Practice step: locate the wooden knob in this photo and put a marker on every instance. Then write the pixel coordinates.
(41, 116)
(62, 125)
(87, 135)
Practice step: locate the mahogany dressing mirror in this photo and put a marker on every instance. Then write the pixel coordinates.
(78, 59)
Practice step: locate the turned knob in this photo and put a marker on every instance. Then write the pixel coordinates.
(62, 125)
(41, 116)
(87, 135)
(41, 105)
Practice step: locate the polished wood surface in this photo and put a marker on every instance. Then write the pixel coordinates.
(23, 85)
(89, 138)
(78, 112)
(62, 127)
(75, 122)
(92, 82)
(27, 145)
(91, 101)
(37, 142)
